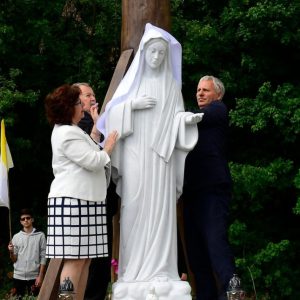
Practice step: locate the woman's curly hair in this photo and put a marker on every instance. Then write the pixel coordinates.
(60, 104)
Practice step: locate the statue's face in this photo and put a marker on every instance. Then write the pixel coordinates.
(155, 53)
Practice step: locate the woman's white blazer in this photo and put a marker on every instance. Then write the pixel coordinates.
(79, 166)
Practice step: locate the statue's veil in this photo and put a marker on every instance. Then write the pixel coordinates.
(133, 76)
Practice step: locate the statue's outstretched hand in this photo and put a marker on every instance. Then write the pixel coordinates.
(194, 118)
(143, 102)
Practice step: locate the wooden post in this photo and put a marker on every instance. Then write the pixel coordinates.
(135, 15)
(50, 286)
(121, 68)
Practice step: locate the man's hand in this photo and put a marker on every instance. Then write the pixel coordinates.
(12, 255)
(10, 247)
(39, 280)
(94, 112)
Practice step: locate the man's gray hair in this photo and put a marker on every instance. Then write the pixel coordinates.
(79, 84)
(218, 84)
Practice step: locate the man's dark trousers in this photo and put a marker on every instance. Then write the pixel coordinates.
(209, 254)
(97, 284)
(99, 271)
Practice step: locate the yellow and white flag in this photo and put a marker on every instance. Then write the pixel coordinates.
(5, 164)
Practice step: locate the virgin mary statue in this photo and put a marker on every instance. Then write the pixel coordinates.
(148, 165)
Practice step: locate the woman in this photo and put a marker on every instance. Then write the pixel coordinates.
(155, 136)
(76, 211)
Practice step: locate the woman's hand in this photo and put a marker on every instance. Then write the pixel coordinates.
(194, 118)
(110, 142)
(143, 102)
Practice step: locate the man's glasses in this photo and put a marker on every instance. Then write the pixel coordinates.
(25, 218)
(78, 102)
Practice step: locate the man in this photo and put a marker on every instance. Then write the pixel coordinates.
(88, 101)
(206, 194)
(27, 251)
(99, 271)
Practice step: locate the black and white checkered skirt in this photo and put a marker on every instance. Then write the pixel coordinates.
(76, 229)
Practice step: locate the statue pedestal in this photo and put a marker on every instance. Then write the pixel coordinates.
(164, 290)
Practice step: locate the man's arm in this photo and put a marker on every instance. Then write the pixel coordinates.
(214, 113)
(40, 278)
(42, 269)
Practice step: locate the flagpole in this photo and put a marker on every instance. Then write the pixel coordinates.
(9, 216)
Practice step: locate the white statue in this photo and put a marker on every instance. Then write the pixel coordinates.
(151, 295)
(148, 165)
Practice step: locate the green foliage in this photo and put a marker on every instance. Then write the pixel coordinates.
(243, 42)
(42, 45)
(10, 96)
(252, 182)
(279, 110)
(297, 185)
(269, 267)
(62, 41)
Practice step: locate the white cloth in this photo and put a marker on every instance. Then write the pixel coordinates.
(148, 164)
(78, 165)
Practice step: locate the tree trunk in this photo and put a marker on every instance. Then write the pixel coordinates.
(135, 15)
